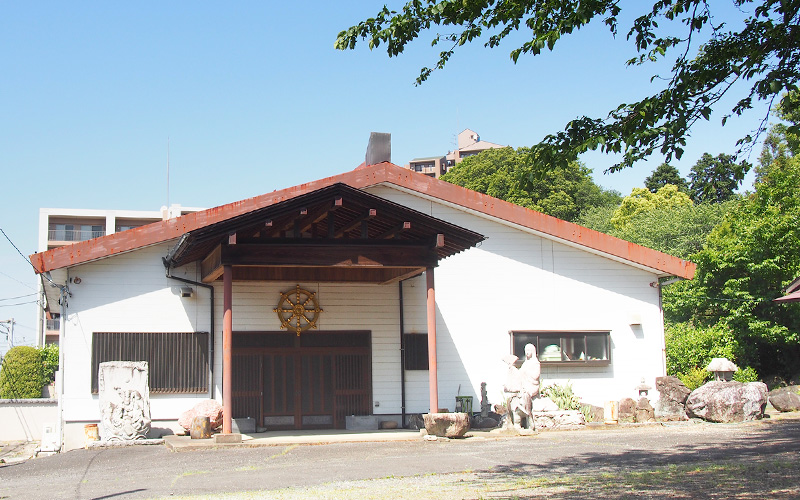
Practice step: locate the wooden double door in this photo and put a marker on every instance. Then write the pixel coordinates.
(310, 381)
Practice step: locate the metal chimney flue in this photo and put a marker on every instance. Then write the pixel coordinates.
(379, 148)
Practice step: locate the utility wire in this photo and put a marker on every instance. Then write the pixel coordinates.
(18, 281)
(27, 260)
(19, 303)
(20, 297)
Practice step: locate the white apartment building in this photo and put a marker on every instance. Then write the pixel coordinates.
(65, 226)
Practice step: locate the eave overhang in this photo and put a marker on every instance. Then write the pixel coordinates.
(360, 178)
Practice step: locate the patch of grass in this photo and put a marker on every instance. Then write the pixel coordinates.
(188, 473)
(283, 452)
(247, 468)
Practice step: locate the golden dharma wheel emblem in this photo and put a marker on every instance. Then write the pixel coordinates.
(298, 310)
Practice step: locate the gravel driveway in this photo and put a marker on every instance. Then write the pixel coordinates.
(685, 460)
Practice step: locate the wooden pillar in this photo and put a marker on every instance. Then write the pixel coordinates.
(433, 383)
(227, 349)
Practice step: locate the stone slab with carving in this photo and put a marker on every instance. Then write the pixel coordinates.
(728, 401)
(209, 408)
(561, 419)
(124, 395)
(449, 425)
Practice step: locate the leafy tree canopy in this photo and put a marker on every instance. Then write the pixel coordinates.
(677, 230)
(747, 260)
(783, 140)
(516, 176)
(642, 200)
(715, 179)
(709, 58)
(663, 175)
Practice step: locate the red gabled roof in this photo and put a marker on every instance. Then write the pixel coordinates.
(362, 177)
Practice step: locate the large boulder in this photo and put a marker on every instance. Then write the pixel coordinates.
(785, 398)
(728, 401)
(449, 425)
(672, 398)
(208, 408)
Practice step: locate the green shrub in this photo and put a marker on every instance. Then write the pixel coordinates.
(746, 375)
(563, 396)
(694, 378)
(690, 347)
(49, 353)
(22, 374)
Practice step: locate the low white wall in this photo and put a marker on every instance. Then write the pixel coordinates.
(23, 419)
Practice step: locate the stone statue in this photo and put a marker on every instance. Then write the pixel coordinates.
(485, 407)
(522, 385)
(124, 395)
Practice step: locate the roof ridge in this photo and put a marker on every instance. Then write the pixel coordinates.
(360, 178)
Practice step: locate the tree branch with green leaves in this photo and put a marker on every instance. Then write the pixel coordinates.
(764, 52)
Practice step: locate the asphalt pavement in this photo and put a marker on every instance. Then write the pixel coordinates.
(155, 471)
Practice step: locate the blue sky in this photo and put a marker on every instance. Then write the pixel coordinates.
(253, 97)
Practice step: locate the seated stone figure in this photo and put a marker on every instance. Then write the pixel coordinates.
(522, 385)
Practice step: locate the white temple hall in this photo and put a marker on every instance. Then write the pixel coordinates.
(379, 291)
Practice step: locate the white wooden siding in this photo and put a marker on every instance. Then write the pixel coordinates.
(515, 280)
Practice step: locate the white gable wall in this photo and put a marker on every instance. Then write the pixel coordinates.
(516, 280)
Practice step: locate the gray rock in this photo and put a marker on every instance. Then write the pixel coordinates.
(543, 404)
(557, 419)
(449, 425)
(672, 398)
(415, 422)
(785, 398)
(483, 422)
(627, 409)
(644, 411)
(598, 413)
(728, 401)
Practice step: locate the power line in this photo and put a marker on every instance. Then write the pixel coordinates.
(21, 296)
(19, 303)
(27, 260)
(17, 249)
(18, 281)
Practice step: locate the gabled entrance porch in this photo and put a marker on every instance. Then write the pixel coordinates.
(306, 378)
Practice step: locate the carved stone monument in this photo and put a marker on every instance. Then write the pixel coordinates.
(124, 394)
(522, 386)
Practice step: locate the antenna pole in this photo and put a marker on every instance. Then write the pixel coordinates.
(167, 173)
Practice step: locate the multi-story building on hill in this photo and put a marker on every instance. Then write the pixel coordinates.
(66, 226)
(469, 144)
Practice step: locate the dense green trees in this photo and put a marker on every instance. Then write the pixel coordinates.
(747, 259)
(715, 179)
(641, 200)
(663, 175)
(517, 177)
(754, 55)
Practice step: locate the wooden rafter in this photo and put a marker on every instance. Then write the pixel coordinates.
(391, 233)
(355, 223)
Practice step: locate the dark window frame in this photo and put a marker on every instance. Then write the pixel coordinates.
(566, 338)
(416, 351)
(178, 361)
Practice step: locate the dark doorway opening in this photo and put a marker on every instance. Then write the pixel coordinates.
(310, 381)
